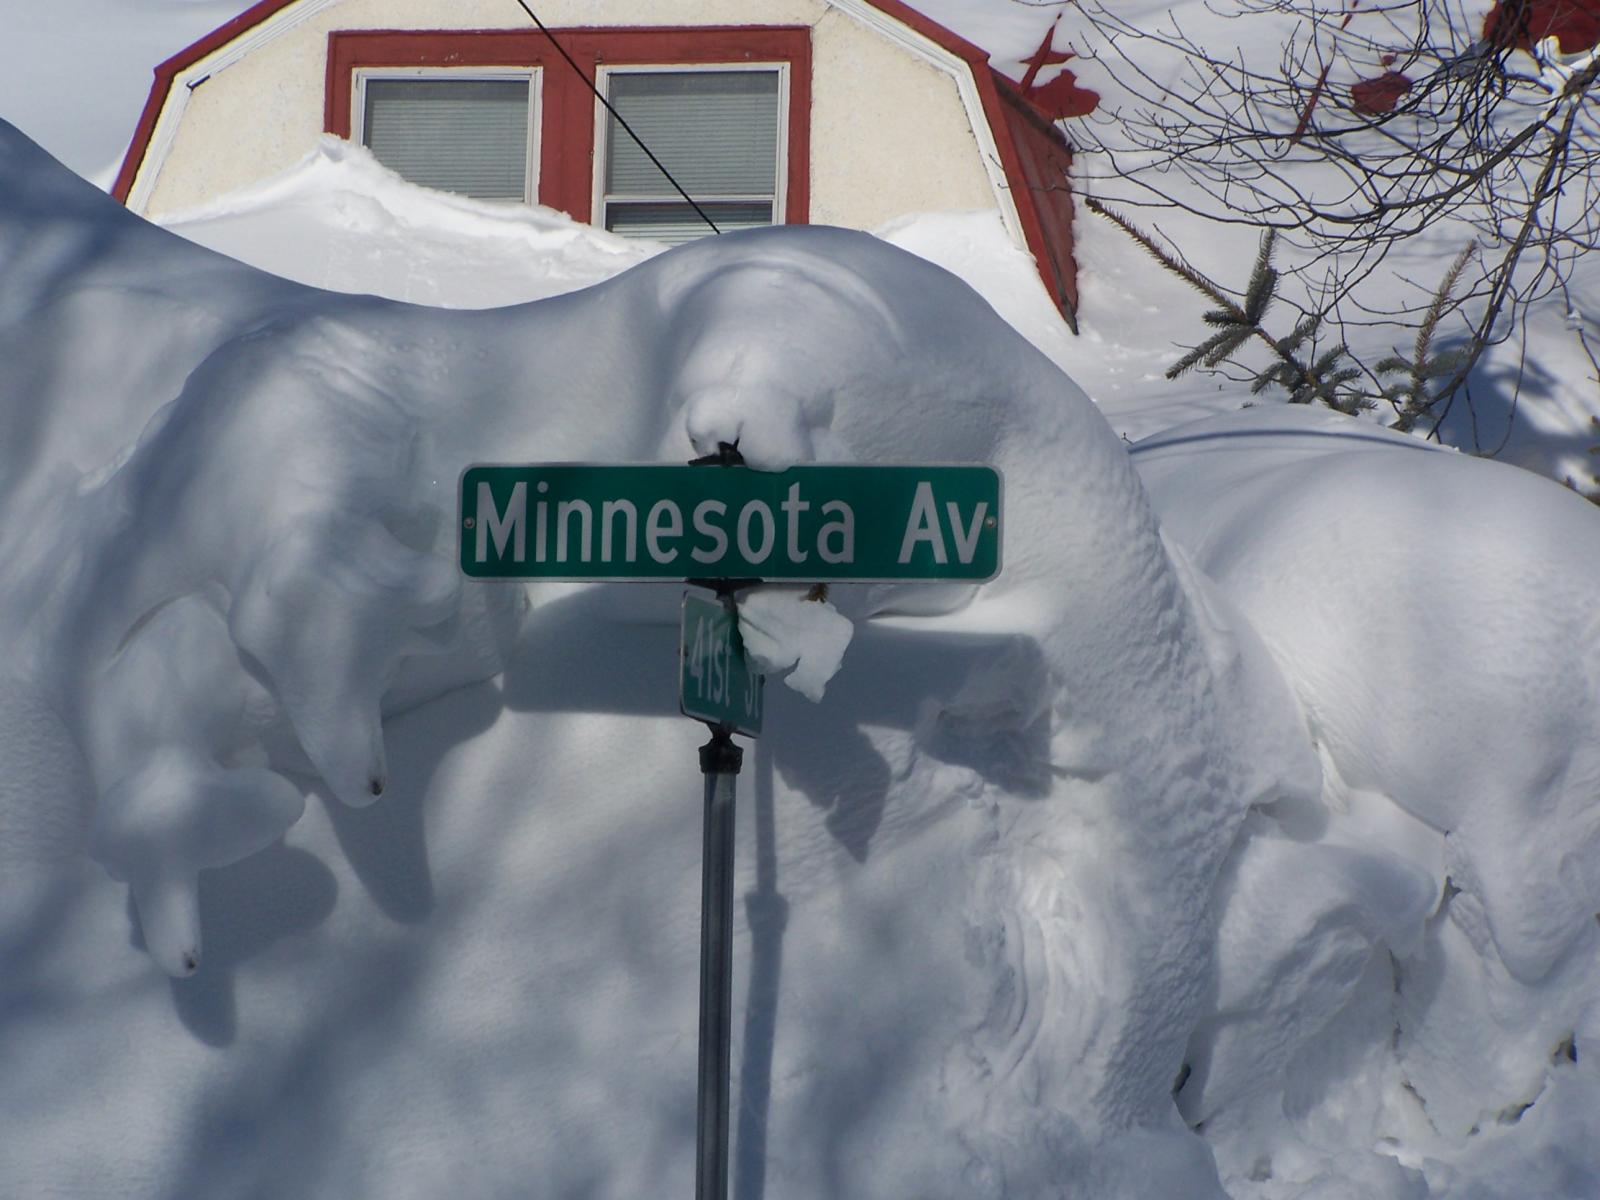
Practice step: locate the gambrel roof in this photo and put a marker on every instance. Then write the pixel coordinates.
(1023, 155)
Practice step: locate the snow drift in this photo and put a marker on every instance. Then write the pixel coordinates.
(1047, 851)
(332, 221)
(1435, 616)
(266, 552)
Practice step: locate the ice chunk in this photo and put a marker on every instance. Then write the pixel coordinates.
(785, 630)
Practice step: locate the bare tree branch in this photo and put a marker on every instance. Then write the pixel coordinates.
(1370, 125)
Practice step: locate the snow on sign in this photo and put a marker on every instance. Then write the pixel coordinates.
(715, 679)
(663, 521)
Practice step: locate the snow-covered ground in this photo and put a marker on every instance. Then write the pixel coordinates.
(1241, 838)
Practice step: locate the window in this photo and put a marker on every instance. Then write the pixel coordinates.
(718, 132)
(470, 134)
(501, 114)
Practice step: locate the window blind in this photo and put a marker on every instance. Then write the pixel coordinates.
(715, 131)
(457, 135)
(679, 223)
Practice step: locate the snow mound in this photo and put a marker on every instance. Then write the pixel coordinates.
(260, 566)
(1434, 615)
(341, 220)
(228, 573)
(1468, 700)
(1108, 828)
(335, 219)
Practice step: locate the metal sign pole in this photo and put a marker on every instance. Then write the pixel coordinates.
(720, 760)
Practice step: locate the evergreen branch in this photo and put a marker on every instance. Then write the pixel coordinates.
(1178, 267)
(1188, 362)
(1263, 280)
(1224, 345)
(1411, 397)
(1306, 329)
(1230, 313)
(1442, 302)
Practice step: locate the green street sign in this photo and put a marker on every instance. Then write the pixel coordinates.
(715, 681)
(665, 521)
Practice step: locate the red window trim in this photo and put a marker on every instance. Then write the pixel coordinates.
(566, 155)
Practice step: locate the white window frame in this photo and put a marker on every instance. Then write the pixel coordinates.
(533, 75)
(602, 128)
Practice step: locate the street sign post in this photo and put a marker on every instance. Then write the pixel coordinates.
(720, 761)
(860, 522)
(715, 681)
(719, 524)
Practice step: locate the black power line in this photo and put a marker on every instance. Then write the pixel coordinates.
(638, 141)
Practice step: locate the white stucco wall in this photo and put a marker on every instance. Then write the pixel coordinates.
(889, 132)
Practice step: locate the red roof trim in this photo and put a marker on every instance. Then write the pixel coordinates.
(142, 133)
(168, 71)
(998, 93)
(1036, 156)
(223, 34)
(932, 30)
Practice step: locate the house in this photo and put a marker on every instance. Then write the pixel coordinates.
(753, 112)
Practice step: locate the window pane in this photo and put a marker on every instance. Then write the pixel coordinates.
(678, 223)
(458, 135)
(715, 131)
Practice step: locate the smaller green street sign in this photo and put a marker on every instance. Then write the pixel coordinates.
(715, 680)
(858, 522)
